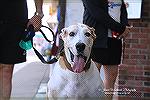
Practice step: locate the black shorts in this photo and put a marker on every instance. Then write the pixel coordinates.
(10, 36)
(110, 55)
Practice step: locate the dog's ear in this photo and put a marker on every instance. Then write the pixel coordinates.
(63, 33)
(92, 32)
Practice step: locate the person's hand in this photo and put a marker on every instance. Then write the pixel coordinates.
(36, 21)
(125, 33)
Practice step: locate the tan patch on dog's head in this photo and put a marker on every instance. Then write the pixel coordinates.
(92, 30)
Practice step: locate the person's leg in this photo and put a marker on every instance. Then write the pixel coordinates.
(6, 72)
(98, 66)
(110, 75)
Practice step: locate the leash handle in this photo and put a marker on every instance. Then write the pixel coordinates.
(30, 33)
(26, 42)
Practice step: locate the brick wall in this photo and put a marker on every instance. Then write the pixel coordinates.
(134, 73)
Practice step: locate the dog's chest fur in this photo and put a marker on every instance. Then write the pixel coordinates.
(64, 83)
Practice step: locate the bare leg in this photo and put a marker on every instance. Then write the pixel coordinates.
(6, 72)
(111, 73)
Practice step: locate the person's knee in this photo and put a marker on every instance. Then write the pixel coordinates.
(111, 73)
(6, 71)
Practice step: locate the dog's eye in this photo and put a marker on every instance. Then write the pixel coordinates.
(87, 34)
(72, 34)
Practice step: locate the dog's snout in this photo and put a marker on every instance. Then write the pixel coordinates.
(80, 47)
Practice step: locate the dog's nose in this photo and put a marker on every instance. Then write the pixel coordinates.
(80, 47)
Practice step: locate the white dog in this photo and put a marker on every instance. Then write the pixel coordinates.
(75, 75)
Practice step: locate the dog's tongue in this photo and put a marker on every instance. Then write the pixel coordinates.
(78, 64)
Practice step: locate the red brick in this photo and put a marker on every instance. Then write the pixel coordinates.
(144, 62)
(130, 62)
(131, 51)
(122, 67)
(131, 21)
(139, 88)
(139, 35)
(135, 72)
(144, 41)
(139, 46)
(135, 30)
(142, 78)
(122, 86)
(126, 56)
(125, 77)
(125, 67)
(139, 24)
(138, 57)
(128, 36)
(142, 89)
(132, 40)
(127, 45)
(133, 83)
(139, 67)
(146, 52)
(146, 89)
(147, 67)
(130, 98)
(145, 30)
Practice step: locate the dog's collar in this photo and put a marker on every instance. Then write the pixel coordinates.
(72, 76)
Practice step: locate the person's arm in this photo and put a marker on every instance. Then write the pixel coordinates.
(36, 20)
(38, 6)
(103, 17)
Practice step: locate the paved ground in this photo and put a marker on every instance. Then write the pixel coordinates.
(30, 79)
(27, 81)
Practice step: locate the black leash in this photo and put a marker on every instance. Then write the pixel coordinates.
(28, 36)
(54, 58)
